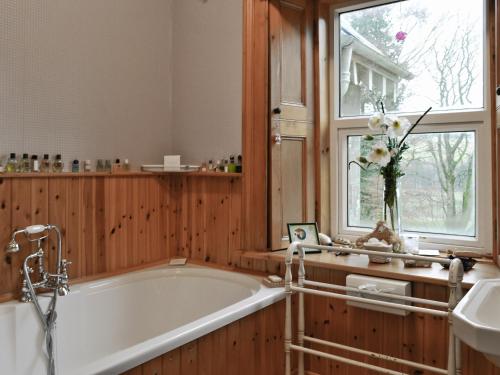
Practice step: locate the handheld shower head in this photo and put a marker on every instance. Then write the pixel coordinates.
(12, 247)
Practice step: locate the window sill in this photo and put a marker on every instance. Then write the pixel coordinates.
(485, 269)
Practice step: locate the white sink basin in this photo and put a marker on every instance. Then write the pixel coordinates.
(476, 319)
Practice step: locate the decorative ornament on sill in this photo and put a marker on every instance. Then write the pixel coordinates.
(388, 146)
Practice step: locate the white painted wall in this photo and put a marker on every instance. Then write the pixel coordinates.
(208, 65)
(121, 78)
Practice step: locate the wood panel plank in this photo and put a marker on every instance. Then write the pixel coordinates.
(171, 362)
(7, 281)
(189, 358)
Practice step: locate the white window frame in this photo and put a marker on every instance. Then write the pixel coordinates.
(464, 120)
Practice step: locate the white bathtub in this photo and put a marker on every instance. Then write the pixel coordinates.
(112, 325)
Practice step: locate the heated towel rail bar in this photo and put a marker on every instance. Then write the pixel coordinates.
(454, 283)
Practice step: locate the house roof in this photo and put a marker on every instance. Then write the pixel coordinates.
(363, 47)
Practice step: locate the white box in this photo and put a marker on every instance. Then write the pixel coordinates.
(397, 287)
(171, 162)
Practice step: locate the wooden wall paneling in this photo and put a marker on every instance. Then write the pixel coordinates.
(153, 367)
(255, 124)
(21, 217)
(218, 215)
(435, 349)
(7, 281)
(234, 218)
(100, 229)
(183, 219)
(248, 347)
(89, 234)
(164, 217)
(74, 225)
(172, 362)
(413, 332)
(153, 218)
(189, 356)
(198, 217)
(233, 347)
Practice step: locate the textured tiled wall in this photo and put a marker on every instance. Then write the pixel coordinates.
(86, 78)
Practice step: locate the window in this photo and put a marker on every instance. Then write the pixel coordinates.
(404, 55)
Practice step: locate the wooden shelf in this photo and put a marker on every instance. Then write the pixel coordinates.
(395, 269)
(118, 174)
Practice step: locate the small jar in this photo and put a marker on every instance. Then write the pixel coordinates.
(58, 164)
(75, 166)
(45, 164)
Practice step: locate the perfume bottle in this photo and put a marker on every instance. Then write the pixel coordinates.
(58, 164)
(11, 163)
(226, 166)
(210, 165)
(75, 166)
(35, 164)
(45, 164)
(25, 164)
(239, 164)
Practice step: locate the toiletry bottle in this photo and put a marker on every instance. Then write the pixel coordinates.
(58, 164)
(226, 166)
(126, 165)
(75, 166)
(203, 167)
(25, 164)
(99, 165)
(232, 164)
(239, 164)
(107, 166)
(117, 166)
(12, 163)
(45, 164)
(210, 165)
(87, 167)
(217, 167)
(35, 164)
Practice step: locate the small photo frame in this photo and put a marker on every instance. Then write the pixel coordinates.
(306, 233)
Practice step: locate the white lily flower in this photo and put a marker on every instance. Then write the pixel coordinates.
(396, 127)
(376, 121)
(379, 155)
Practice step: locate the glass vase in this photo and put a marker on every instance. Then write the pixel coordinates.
(392, 214)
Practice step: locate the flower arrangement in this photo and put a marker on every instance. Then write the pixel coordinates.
(389, 145)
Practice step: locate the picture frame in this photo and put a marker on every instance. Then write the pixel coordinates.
(306, 233)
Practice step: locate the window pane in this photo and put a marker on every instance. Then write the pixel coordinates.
(428, 53)
(437, 192)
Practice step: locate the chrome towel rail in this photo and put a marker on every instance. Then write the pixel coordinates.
(454, 283)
